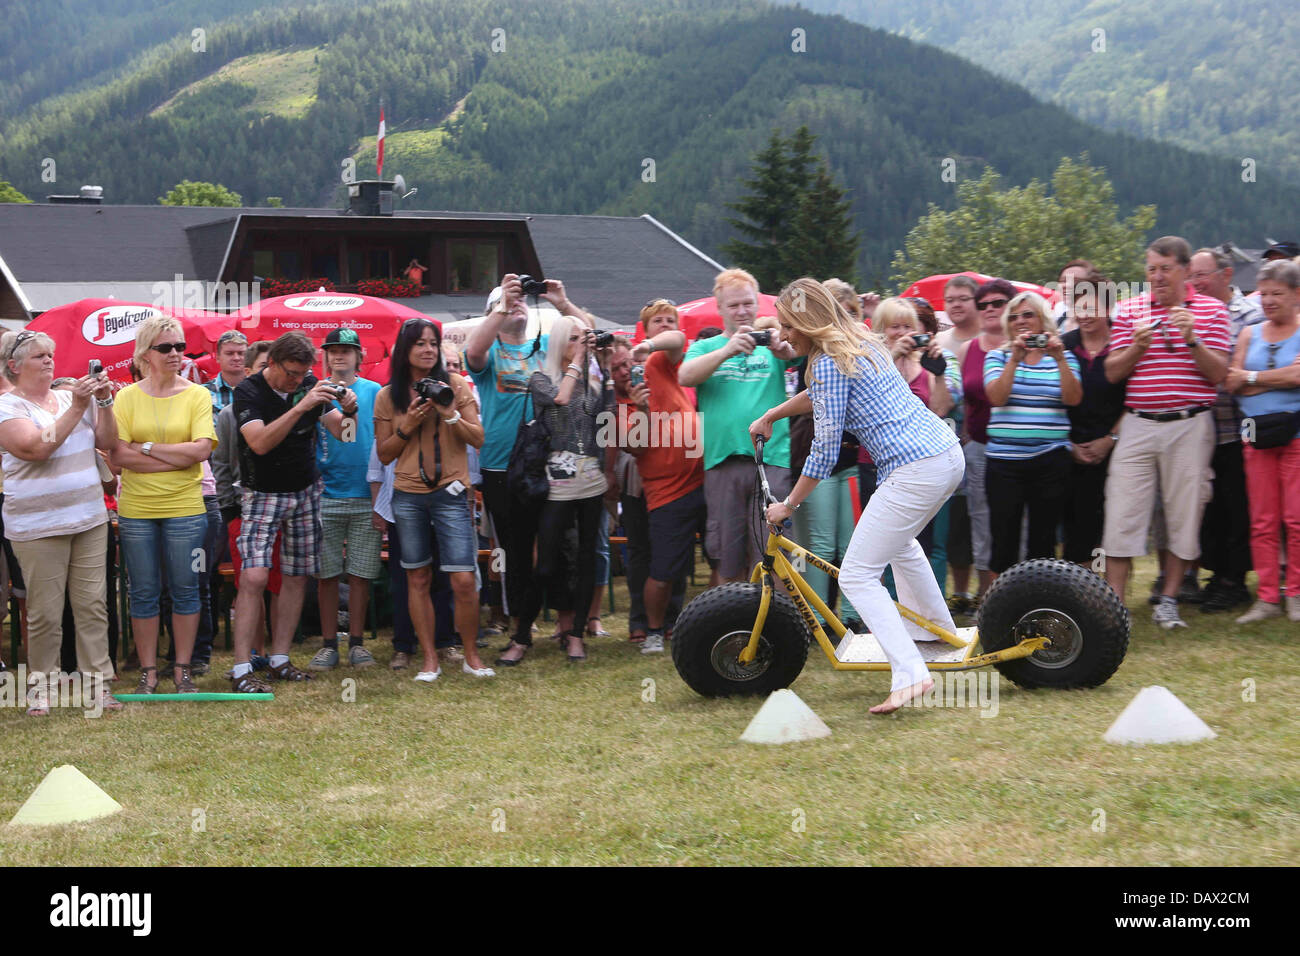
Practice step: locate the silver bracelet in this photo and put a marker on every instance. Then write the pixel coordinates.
(452, 421)
(104, 402)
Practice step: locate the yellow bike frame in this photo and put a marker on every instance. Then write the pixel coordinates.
(801, 592)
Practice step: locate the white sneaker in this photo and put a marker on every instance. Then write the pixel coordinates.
(1293, 608)
(1166, 615)
(1262, 611)
(653, 644)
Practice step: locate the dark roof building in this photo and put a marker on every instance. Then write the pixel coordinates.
(51, 254)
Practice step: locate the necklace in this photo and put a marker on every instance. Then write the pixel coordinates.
(42, 404)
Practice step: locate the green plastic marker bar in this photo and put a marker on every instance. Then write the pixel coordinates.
(201, 696)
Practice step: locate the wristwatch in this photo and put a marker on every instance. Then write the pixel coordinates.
(1114, 437)
(147, 449)
(790, 506)
(452, 421)
(1252, 378)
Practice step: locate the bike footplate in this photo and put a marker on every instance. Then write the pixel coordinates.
(865, 649)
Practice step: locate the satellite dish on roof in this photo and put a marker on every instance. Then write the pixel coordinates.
(399, 187)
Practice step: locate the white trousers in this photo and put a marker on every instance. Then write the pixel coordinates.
(886, 534)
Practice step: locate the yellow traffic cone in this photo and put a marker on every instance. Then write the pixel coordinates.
(66, 795)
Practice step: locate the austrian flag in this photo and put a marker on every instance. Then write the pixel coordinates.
(379, 171)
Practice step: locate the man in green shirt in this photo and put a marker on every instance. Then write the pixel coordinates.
(735, 382)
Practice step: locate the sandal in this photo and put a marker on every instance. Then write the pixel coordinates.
(508, 662)
(144, 687)
(185, 683)
(598, 630)
(108, 702)
(287, 671)
(637, 637)
(577, 658)
(249, 684)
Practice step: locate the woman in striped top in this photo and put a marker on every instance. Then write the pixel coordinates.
(854, 386)
(1029, 385)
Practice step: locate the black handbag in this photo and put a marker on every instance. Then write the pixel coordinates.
(526, 478)
(1272, 430)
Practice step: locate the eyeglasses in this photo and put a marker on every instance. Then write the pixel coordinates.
(1023, 315)
(232, 336)
(20, 338)
(1272, 352)
(993, 304)
(162, 348)
(659, 302)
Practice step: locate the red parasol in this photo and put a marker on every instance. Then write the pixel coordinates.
(931, 288)
(702, 313)
(376, 321)
(105, 329)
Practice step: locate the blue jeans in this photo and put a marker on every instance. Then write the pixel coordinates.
(181, 542)
(421, 517)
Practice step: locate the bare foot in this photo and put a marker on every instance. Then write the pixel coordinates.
(898, 698)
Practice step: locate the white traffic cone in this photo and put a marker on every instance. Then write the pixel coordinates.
(66, 795)
(783, 719)
(1156, 716)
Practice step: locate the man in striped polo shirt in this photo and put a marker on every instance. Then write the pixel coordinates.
(1172, 346)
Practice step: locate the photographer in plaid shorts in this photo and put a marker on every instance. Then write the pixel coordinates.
(276, 411)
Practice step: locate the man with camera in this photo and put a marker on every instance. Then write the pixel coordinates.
(345, 507)
(738, 377)
(501, 359)
(1171, 345)
(276, 411)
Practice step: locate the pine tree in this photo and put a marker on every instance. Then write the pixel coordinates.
(821, 242)
(775, 193)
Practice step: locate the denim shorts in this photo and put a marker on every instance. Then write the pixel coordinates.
(419, 517)
(158, 551)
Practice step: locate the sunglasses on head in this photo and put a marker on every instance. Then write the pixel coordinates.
(993, 303)
(162, 348)
(659, 301)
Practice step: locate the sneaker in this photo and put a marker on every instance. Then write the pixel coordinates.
(401, 661)
(1157, 586)
(1223, 595)
(326, 659)
(1261, 611)
(1189, 592)
(1293, 608)
(1166, 615)
(653, 644)
(358, 656)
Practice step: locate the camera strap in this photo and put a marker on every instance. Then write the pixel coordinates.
(437, 454)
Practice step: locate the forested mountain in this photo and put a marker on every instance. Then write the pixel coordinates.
(581, 106)
(1202, 73)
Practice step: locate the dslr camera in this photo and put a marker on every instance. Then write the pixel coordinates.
(533, 286)
(1038, 341)
(439, 392)
(604, 340)
(761, 337)
(922, 339)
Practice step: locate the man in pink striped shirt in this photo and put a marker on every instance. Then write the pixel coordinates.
(1171, 344)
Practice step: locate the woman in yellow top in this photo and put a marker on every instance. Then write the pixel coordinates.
(165, 432)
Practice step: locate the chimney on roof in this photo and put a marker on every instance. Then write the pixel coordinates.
(370, 197)
(88, 196)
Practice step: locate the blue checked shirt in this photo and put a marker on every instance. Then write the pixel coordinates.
(878, 408)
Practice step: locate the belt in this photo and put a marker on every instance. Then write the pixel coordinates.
(1169, 416)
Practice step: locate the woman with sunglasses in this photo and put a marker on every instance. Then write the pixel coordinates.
(1265, 375)
(165, 433)
(425, 420)
(991, 300)
(1030, 382)
(569, 399)
(54, 512)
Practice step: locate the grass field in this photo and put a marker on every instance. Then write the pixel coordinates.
(551, 763)
(285, 82)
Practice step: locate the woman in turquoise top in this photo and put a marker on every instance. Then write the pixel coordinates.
(1266, 378)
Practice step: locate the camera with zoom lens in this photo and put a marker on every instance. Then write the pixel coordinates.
(438, 392)
(761, 337)
(922, 339)
(1038, 341)
(604, 340)
(533, 286)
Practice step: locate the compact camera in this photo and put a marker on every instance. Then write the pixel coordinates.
(922, 339)
(438, 392)
(604, 340)
(95, 367)
(533, 286)
(637, 375)
(1038, 341)
(761, 337)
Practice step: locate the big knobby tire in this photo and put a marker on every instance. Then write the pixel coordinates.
(1087, 623)
(713, 629)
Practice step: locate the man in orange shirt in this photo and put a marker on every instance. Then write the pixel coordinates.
(663, 434)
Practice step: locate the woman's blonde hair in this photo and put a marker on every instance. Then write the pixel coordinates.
(15, 351)
(846, 296)
(807, 307)
(1035, 302)
(146, 334)
(891, 311)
